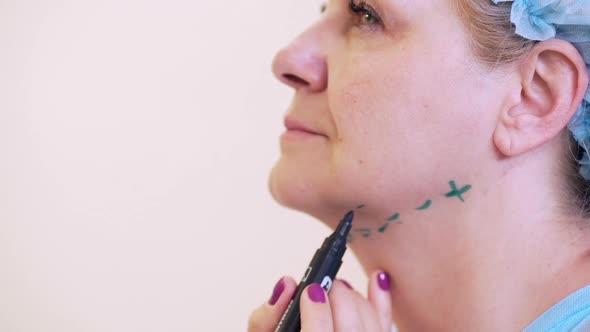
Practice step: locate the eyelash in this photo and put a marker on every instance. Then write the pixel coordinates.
(362, 11)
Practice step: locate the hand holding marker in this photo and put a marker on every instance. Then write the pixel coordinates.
(322, 270)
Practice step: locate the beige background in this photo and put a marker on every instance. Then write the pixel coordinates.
(135, 142)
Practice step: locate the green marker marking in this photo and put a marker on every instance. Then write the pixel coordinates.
(360, 206)
(457, 192)
(425, 205)
(393, 217)
(365, 232)
(383, 228)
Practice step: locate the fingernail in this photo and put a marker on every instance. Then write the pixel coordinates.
(276, 292)
(346, 283)
(316, 293)
(383, 281)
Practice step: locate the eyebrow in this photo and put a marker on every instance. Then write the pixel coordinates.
(392, 12)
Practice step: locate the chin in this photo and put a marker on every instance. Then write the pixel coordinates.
(290, 188)
(301, 188)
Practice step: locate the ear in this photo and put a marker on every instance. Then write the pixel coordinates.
(553, 81)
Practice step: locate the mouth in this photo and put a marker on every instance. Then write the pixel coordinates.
(301, 131)
(295, 126)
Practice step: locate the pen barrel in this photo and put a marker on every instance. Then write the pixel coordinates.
(322, 270)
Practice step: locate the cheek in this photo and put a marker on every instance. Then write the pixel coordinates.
(372, 111)
(374, 137)
(392, 121)
(382, 99)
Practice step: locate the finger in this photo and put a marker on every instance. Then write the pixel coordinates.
(351, 310)
(266, 317)
(380, 297)
(345, 304)
(316, 315)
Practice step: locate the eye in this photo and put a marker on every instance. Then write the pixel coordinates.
(365, 13)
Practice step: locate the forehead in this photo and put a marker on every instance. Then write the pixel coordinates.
(418, 8)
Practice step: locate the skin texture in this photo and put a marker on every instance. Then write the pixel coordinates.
(400, 108)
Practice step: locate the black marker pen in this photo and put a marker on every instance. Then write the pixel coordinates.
(322, 270)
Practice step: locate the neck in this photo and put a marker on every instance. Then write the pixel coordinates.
(492, 263)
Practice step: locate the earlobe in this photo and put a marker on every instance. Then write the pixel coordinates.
(553, 83)
(514, 133)
(502, 139)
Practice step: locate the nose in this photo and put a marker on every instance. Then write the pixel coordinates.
(302, 64)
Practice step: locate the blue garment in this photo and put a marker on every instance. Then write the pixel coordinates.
(571, 314)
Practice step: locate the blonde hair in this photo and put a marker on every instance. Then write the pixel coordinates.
(494, 44)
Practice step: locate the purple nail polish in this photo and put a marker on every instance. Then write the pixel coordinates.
(346, 283)
(276, 292)
(383, 281)
(316, 293)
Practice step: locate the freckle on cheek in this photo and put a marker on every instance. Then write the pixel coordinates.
(350, 98)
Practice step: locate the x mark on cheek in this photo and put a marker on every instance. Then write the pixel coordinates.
(394, 218)
(457, 192)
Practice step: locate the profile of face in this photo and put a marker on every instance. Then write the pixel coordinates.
(389, 104)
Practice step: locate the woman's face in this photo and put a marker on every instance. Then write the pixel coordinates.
(399, 105)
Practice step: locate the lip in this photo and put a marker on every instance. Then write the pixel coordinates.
(295, 125)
